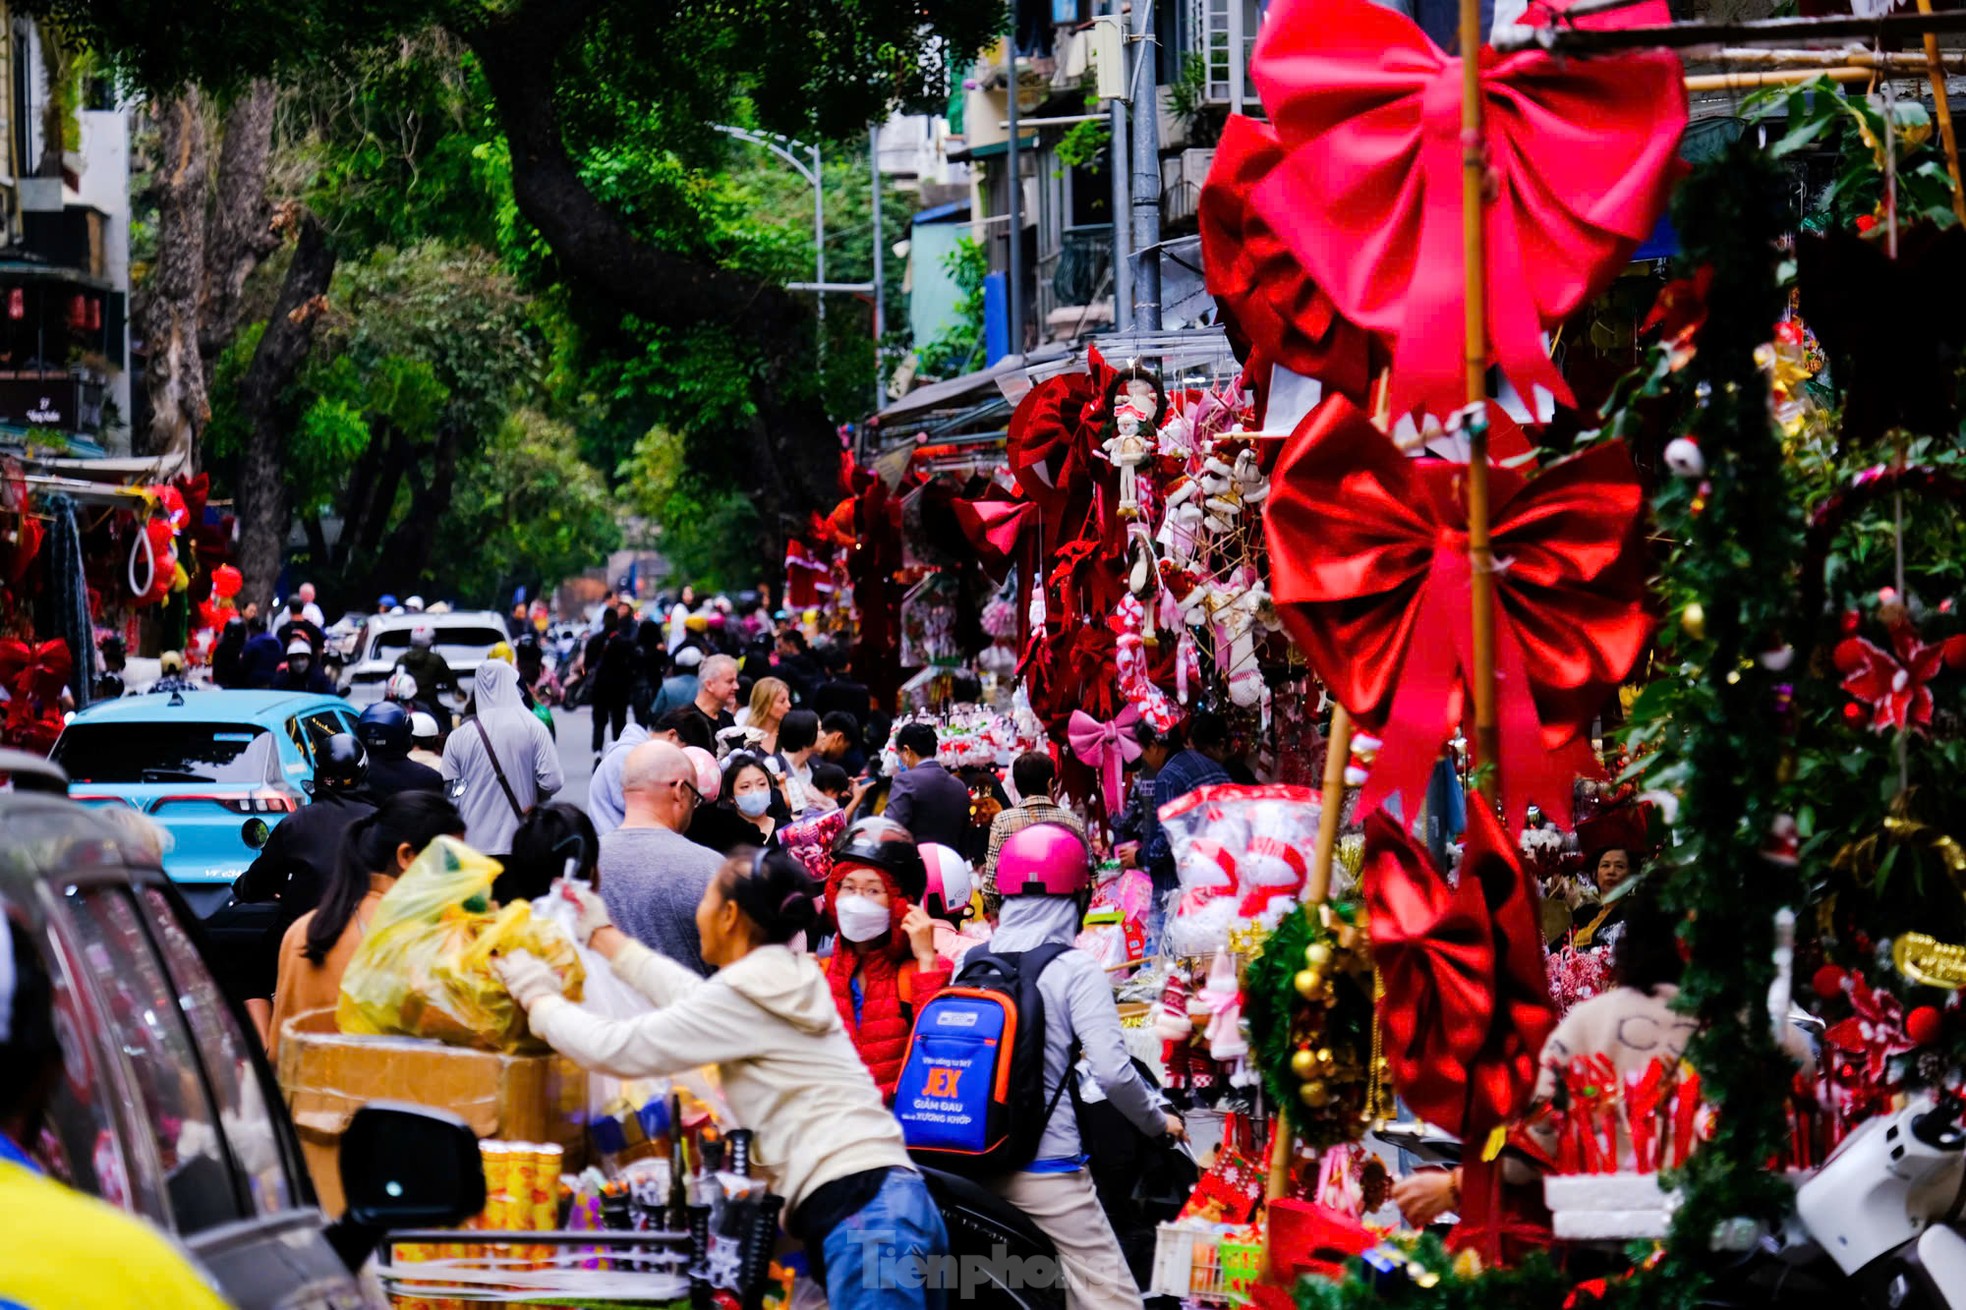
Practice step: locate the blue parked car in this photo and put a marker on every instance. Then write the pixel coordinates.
(213, 768)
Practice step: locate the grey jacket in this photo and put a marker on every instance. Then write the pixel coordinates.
(1078, 1006)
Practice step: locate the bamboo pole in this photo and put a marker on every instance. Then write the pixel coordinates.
(1703, 40)
(1698, 82)
(1943, 112)
(1481, 556)
(1850, 56)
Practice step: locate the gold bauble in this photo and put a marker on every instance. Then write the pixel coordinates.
(1303, 1063)
(1317, 954)
(1693, 621)
(1314, 1094)
(1324, 1055)
(1308, 982)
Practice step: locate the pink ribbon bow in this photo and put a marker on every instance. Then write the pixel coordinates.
(1106, 747)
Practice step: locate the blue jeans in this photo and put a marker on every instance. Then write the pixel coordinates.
(882, 1256)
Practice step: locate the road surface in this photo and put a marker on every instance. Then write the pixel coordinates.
(574, 729)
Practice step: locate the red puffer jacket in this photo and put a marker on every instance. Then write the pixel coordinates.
(891, 987)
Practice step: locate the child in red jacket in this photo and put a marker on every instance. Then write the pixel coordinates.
(884, 964)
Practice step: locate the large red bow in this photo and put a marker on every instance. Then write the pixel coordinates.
(1466, 1009)
(36, 673)
(1264, 297)
(1369, 195)
(1369, 557)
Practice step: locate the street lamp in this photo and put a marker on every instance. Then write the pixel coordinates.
(783, 147)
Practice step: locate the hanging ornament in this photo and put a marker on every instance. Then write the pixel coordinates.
(16, 304)
(1893, 683)
(1684, 459)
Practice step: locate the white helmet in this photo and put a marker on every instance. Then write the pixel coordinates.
(949, 878)
(423, 727)
(414, 604)
(401, 686)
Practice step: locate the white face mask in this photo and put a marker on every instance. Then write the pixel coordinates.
(753, 803)
(861, 919)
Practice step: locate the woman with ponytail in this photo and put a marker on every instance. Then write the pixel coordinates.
(767, 1020)
(375, 850)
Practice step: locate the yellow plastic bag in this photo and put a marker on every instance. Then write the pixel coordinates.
(424, 967)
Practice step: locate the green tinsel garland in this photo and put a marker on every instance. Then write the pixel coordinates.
(1277, 1015)
(1729, 590)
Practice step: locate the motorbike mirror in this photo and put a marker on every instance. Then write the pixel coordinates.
(307, 785)
(404, 1166)
(255, 832)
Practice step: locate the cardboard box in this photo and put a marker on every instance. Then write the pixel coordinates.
(327, 1075)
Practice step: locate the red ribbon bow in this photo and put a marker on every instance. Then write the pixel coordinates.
(1266, 301)
(1368, 110)
(1369, 555)
(36, 673)
(1106, 747)
(1466, 1008)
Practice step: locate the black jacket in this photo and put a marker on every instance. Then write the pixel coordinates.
(388, 776)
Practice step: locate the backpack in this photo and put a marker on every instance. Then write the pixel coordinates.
(973, 1076)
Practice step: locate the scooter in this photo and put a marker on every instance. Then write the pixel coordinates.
(1885, 1207)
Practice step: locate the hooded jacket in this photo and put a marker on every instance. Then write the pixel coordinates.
(768, 1023)
(892, 986)
(525, 751)
(1078, 1007)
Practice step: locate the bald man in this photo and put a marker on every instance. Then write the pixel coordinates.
(651, 875)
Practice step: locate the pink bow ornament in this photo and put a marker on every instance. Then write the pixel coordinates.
(1106, 747)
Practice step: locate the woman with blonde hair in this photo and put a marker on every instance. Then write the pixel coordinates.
(771, 700)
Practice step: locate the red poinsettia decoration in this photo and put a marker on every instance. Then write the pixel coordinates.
(1873, 1034)
(1895, 684)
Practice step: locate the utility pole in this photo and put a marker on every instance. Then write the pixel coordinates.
(819, 245)
(1146, 173)
(1122, 214)
(1014, 173)
(880, 285)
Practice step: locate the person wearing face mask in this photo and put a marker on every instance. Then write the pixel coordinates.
(300, 672)
(885, 964)
(766, 1020)
(652, 876)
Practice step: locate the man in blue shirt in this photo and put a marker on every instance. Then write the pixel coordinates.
(1178, 769)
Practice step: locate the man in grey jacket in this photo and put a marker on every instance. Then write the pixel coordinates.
(651, 875)
(1054, 1190)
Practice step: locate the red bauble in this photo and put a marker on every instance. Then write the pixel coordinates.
(1848, 656)
(1851, 621)
(1828, 981)
(1853, 713)
(1953, 651)
(1924, 1024)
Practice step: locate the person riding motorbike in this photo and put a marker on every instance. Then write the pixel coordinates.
(289, 875)
(433, 676)
(386, 733)
(1044, 876)
(885, 964)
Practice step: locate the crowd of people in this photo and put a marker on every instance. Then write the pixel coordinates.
(712, 739)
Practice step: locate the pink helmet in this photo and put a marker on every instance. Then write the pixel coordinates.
(709, 778)
(1045, 859)
(950, 880)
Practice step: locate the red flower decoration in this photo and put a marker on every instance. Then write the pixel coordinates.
(1873, 1033)
(1894, 682)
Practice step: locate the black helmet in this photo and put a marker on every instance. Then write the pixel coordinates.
(884, 844)
(385, 728)
(340, 764)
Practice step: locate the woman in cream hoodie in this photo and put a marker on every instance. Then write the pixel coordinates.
(767, 1020)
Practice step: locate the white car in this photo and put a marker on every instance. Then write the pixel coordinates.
(463, 638)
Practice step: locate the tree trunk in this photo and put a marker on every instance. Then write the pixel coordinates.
(405, 555)
(790, 453)
(174, 375)
(265, 400)
(243, 228)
